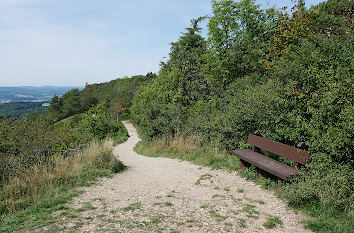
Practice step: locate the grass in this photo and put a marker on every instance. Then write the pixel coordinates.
(167, 203)
(217, 216)
(255, 201)
(191, 220)
(69, 214)
(234, 212)
(113, 211)
(27, 200)
(242, 222)
(228, 224)
(133, 206)
(325, 219)
(174, 231)
(158, 218)
(203, 177)
(79, 224)
(87, 206)
(218, 195)
(272, 222)
(251, 211)
(188, 148)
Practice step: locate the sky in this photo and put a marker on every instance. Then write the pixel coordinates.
(73, 42)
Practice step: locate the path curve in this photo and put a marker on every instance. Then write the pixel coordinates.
(161, 194)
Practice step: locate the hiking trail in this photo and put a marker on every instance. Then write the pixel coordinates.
(168, 195)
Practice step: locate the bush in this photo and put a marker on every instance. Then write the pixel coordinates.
(287, 76)
(30, 184)
(118, 166)
(105, 159)
(325, 181)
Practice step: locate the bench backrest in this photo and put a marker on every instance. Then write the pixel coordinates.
(289, 152)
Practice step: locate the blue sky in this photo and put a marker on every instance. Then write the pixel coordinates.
(71, 42)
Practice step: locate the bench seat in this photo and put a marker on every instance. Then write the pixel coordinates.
(265, 163)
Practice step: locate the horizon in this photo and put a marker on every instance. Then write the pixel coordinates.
(42, 86)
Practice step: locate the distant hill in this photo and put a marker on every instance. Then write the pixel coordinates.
(31, 94)
(18, 109)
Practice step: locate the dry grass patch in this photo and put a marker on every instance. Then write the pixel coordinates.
(190, 149)
(31, 183)
(50, 183)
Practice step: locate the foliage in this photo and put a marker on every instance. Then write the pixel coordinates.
(179, 85)
(121, 90)
(19, 109)
(28, 142)
(42, 152)
(238, 37)
(286, 75)
(44, 156)
(189, 149)
(41, 163)
(325, 180)
(272, 222)
(29, 198)
(71, 122)
(98, 123)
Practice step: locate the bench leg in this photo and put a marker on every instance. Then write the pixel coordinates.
(279, 184)
(242, 165)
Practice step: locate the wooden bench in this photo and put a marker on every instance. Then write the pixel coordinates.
(281, 170)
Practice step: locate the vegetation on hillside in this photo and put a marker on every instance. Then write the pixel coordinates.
(43, 157)
(286, 75)
(30, 196)
(19, 109)
(116, 96)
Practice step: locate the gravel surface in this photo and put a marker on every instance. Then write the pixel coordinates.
(168, 195)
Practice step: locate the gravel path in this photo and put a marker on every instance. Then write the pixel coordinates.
(168, 195)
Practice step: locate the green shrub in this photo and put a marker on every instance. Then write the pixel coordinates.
(325, 181)
(118, 166)
(288, 76)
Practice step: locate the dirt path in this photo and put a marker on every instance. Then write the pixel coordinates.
(166, 195)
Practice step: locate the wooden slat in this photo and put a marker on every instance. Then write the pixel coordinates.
(265, 163)
(297, 155)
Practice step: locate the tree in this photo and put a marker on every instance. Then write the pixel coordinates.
(238, 36)
(186, 66)
(55, 104)
(118, 108)
(162, 105)
(87, 100)
(71, 103)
